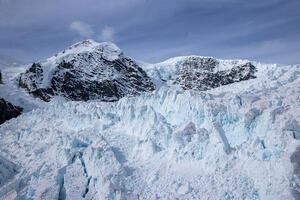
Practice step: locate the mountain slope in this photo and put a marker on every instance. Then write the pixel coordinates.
(86, 71)
(199, 73)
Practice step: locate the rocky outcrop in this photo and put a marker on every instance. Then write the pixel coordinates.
(1, 82)
(8, 111)
(203, 73)
(86, 71)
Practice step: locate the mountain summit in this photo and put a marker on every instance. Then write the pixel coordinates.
(86, 71)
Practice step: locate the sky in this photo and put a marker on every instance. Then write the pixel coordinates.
(155, 30)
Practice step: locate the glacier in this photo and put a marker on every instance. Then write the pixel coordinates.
(238, 141)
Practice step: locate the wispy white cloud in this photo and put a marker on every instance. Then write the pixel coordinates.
(83, 29)
(107, 34)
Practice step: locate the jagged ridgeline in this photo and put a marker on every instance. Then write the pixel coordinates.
(86, 71)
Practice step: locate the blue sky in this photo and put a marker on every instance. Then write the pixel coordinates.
(154, 30)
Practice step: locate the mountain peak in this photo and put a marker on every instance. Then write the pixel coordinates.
(90, 43)
(84, 43)
(107, 50)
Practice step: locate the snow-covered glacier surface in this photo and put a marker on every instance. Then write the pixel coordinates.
(237, 141)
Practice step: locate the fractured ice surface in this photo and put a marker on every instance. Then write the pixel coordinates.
(234, 142)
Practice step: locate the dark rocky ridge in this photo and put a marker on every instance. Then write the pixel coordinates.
(1, 82)
(88, 76)
(8, 111)
(200, 73)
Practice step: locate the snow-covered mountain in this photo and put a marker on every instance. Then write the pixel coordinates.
(86, 71)
(98, 71)
(236, 138)
(199, 73)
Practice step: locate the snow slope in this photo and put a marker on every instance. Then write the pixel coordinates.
(233, 142)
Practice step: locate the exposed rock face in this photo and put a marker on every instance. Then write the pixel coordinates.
(202, 73)
(86, 71)
(8, 111)
(1, 82)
